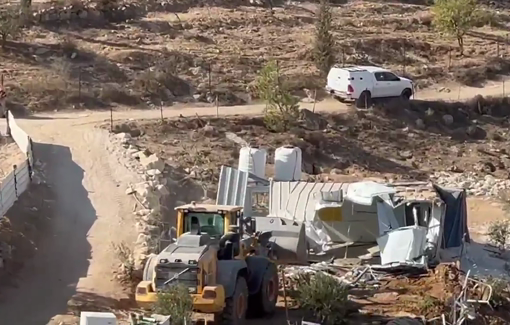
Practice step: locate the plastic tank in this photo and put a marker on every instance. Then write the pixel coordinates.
(287, 163)
(253, 160)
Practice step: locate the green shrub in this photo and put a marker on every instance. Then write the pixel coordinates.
(176, 302)
(322, 296)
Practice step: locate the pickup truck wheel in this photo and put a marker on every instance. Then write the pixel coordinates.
(364, 100)
(406, 94)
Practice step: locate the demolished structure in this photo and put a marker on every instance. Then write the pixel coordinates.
(408, 224)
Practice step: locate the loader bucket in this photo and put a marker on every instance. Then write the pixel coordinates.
(288, 239)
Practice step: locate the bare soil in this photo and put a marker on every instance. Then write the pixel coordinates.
(193, 47)
(10, 155)
(384, 142)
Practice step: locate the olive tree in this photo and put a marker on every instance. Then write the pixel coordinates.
(282, 109)
(456, 17)
(323, 54)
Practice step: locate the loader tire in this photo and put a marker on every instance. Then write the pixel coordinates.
(264, 301)
(236, 306)
(149, 267)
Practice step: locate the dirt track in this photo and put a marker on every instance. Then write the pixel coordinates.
(91, 210)
(74, 257)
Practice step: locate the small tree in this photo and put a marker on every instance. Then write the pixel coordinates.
(282, 109)
(10, 24)
(456, 17)
(322, 296)
(176, 302)
(323, 43)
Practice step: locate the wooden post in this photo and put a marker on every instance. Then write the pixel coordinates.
(217, 107)
(285, 296)
(314, 100)
(404, 59)
(79, 84)
(506, 45)
(209, 77)
(497, 49)
(449, 59)
(111, 118)
(161, 111)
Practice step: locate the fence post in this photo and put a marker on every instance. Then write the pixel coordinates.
(161, 111)
(404, 59)
(217, 107)
(79, 85)
(14, 167)
(314, 100)
(111, 118)
(30, 158)
(449, 59)
(497, 49)
(209, 76)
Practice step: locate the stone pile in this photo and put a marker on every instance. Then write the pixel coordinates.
(149, 193)
(473, 183)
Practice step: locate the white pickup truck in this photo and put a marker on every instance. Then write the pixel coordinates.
(363, 83)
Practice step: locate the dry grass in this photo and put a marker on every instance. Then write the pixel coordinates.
(166, 56)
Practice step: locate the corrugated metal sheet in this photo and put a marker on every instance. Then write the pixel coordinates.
(17, 181)
(7, 194)
(297, 201)
(22, 177)
(232, 187)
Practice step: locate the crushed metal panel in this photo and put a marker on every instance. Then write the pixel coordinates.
(232, 187)
(296, 200)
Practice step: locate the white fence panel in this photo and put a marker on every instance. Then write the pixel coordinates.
(20, 137)
(8, 193)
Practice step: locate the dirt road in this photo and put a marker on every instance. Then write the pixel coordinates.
(75, 258)
(91, 211)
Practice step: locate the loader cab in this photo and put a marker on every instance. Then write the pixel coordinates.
(214, 220)
(220, 222)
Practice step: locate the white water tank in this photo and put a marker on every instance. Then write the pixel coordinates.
(287, 163)
(253, 160)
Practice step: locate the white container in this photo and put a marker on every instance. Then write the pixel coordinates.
(253, 160)
(287, 163)
(95, 318)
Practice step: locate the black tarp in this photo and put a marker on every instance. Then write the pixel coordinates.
(455, 220)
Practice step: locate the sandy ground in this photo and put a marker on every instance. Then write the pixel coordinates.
(74, 257)
(10, 155)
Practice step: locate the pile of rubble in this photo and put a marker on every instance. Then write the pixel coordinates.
(148, 193)
(473, 183)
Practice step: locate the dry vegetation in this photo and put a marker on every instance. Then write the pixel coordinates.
(166, 54)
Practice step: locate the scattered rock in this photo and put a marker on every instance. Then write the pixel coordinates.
(311, 120)
(152, 162)
(406, 154)
(420, 124)
(448, 119)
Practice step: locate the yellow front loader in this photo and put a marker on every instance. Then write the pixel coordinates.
(226, 263)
